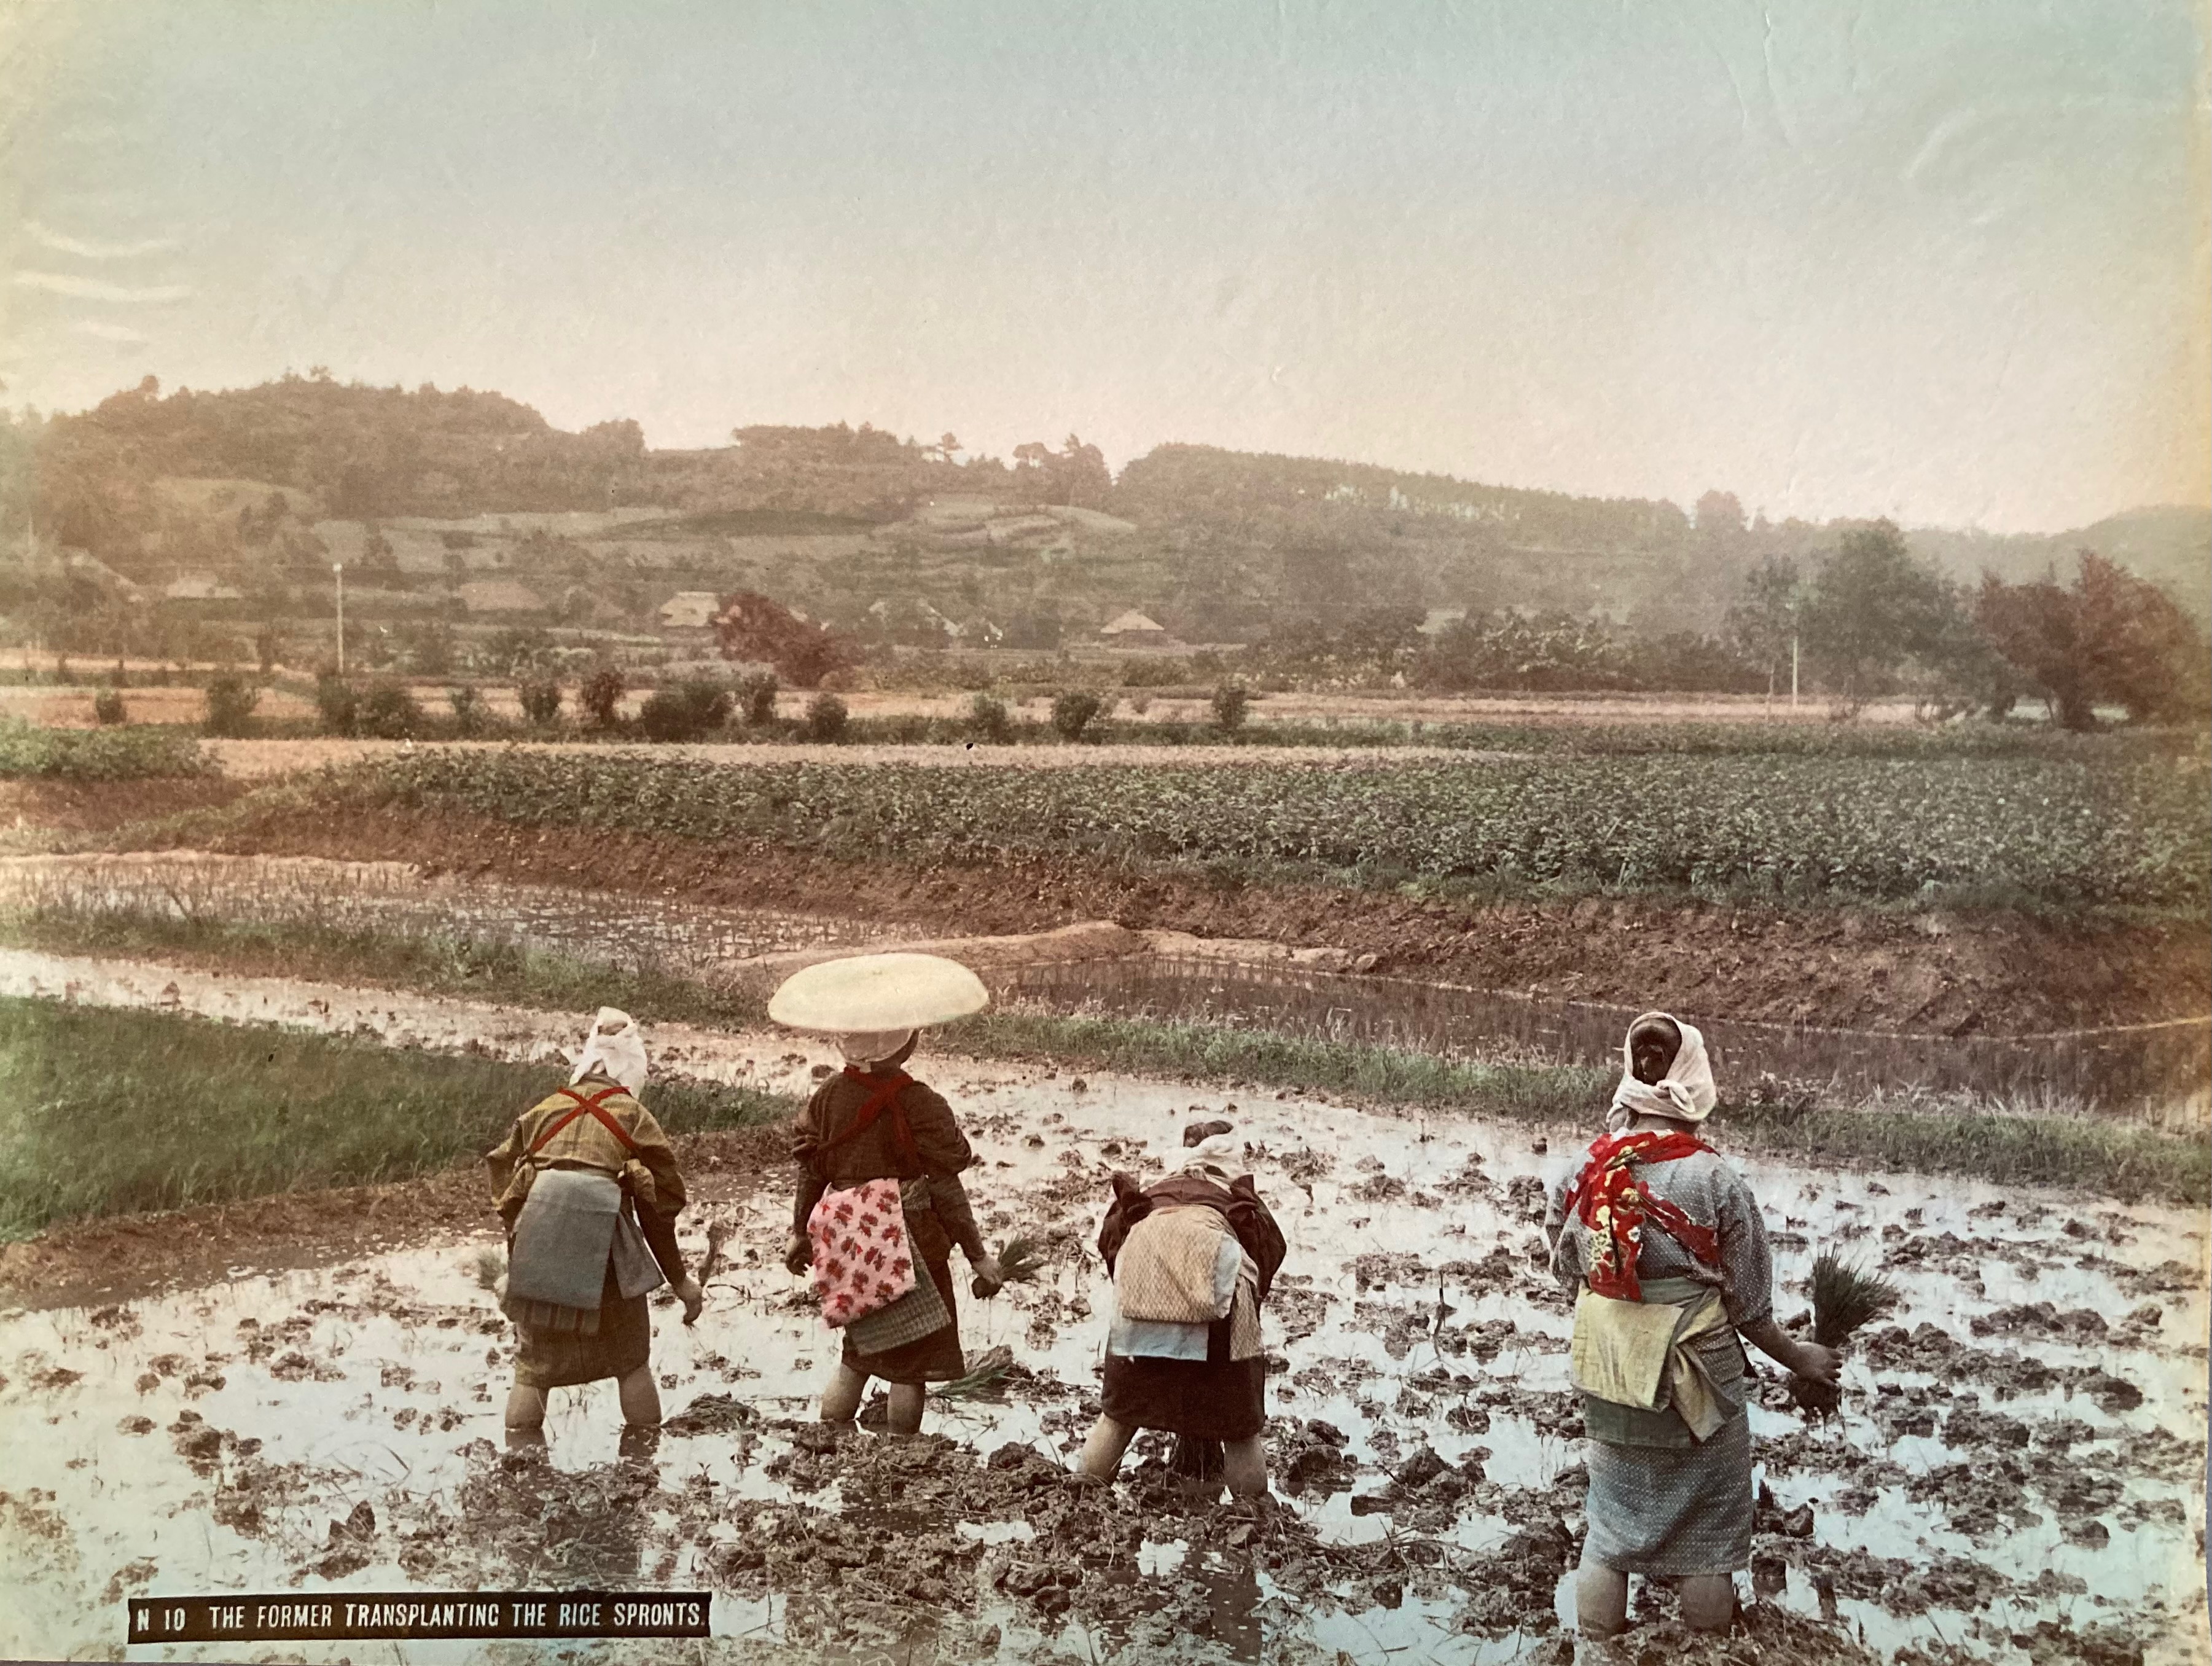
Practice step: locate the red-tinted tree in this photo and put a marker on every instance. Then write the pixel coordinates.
(760, 631)
(2109, 636)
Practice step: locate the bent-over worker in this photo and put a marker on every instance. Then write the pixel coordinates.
(1192, 1257)
(588, 1187)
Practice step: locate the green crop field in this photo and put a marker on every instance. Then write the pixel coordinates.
(131, 753)
(2055, 832)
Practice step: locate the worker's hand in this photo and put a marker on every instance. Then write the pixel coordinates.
(990, 1277)
(798, 1255)
(1817, 1364)
(693, 1297)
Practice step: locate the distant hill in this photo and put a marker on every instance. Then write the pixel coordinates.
(2168, 545)
(422, 492)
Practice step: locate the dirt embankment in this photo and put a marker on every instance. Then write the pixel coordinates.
(102, 806)
(2001, 974)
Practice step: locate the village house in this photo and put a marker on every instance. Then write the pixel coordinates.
(1138, 632)
(1134, 628)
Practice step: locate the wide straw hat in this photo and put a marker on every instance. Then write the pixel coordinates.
(878, 992)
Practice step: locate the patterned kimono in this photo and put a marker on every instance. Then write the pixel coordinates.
(1661, 1502)
(915, 1139)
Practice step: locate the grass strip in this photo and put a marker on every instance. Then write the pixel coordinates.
(106, 1111)
(2116, 1160)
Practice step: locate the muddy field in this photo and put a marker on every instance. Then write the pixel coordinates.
(2017, 1476)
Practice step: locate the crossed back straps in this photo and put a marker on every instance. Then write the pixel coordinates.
(594, 1106)
(884, 1092)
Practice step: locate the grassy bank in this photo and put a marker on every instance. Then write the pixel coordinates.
(2113, 1159)
(1808, 1125)
(105, 1111)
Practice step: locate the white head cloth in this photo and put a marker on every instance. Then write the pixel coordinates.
(1685, 1093)
(1212, 1155)
(616, 1046)
(867, 1047)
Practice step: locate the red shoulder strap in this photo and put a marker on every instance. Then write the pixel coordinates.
(596, 1106)
(886, 1092)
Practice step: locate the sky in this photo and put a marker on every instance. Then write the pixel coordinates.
(1949, 263)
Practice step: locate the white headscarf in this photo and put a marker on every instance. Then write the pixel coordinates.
(867, 1047)
(1212, 1156)
(616, 1046)
(1685, 1093)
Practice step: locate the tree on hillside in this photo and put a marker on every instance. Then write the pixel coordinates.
(2108, 636)
(1075, 474)
(1762, 623)
(1719, 513)
(1871, 607)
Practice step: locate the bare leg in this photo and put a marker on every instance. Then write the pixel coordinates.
(905, 1417)
(1244, 1467)
(1708, 1602)
(1101, 1456)
(1600, 1600)
(525, 1407)
(641, 1398)
(840, 1401)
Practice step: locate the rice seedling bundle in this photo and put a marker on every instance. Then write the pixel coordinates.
(1845, 1299)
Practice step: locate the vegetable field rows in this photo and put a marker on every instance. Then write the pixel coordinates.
(2062, 833)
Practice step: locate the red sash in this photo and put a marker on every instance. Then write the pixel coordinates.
(1607, 1198)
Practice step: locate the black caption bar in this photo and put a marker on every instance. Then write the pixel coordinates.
(411, 1613)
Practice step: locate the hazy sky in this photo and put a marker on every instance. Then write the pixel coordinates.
(1946, 261)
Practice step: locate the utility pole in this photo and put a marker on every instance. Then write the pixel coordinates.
(338, 571)
(1793, 670)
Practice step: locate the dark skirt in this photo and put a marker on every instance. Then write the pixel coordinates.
(563, 1359)
(1216, 1399)
(935, 1357)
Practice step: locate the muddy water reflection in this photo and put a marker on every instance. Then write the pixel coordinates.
(2167, 1068)
(231, 1438)
(626, 929)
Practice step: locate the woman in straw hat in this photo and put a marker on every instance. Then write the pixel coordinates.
(872, 1121)
(1662, 1246)
(587, 1185)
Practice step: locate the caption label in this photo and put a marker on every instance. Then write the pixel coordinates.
(417, 1613)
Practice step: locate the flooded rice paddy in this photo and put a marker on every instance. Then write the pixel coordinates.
(2017, 1475)
(397, 898)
